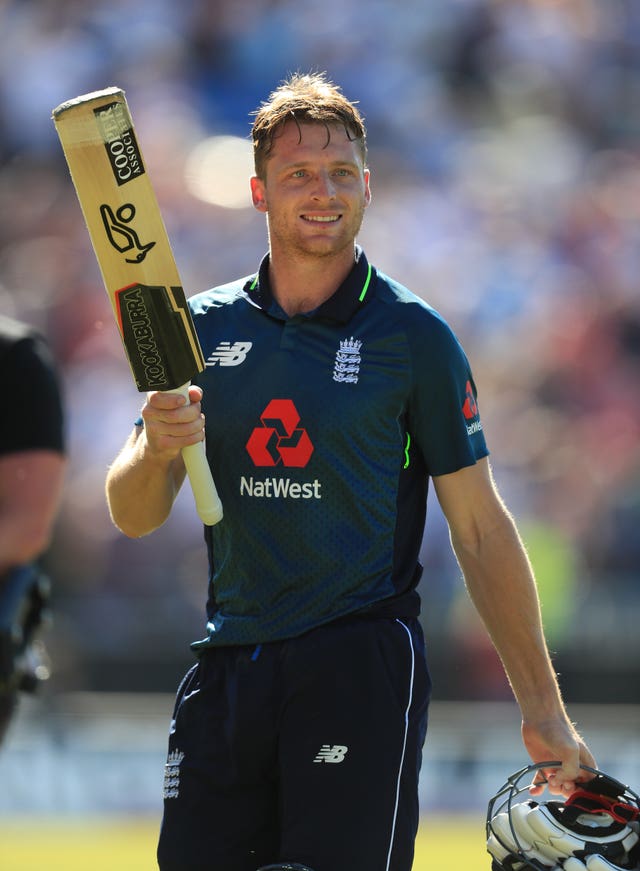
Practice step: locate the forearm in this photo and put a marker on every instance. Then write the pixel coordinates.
(501, 585)
(141, 487)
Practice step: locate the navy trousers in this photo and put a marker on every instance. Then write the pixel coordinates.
(306, 750)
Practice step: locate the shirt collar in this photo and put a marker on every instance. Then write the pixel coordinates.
(340, 307)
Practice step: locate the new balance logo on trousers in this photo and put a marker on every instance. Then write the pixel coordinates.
(329, 753)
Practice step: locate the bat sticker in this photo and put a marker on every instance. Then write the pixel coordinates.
(123, 237)
(150, 319)
(120, 142)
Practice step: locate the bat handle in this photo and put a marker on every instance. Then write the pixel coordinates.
(208, 504)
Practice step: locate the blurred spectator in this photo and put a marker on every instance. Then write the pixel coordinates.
(32, 467)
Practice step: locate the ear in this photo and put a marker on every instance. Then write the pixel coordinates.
(367, 188)
(258, 195)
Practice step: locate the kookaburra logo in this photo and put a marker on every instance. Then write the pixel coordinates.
(121, 234)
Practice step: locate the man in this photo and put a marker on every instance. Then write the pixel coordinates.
(332, 395)
(32, 466)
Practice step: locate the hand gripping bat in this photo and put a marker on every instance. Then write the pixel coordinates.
(135, 258)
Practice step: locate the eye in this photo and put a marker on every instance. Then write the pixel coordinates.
(298, 173)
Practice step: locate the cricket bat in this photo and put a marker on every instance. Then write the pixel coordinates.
(135, 258)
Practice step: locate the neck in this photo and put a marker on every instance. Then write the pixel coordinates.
(299, 286)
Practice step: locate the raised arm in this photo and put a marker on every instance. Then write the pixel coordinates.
(144, 479)
(501, 584)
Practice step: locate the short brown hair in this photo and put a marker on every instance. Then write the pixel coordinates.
(304, 98)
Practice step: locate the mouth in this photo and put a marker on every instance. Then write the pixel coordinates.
(321, 219)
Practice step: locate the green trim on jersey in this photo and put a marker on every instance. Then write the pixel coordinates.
(366, 285)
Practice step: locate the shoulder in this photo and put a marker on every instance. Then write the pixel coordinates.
(24, 348)
(222, 295)
(30, 378)
(13, 332)
(419, 319)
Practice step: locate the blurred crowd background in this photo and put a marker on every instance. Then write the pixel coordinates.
(504, 144)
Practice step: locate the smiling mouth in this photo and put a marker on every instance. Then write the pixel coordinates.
(321, 219)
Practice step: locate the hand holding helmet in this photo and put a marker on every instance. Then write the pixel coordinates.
(597, 828)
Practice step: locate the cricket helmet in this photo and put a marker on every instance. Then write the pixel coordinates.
(596, 829)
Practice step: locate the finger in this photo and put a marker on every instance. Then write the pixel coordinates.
(168, 442)
(586, 758)
(554, 776)
(174, 399)
(560, 786)
(539, 783)
(175, 428)
(171, 416)
(563, 780)
(556, 787)
(165, 399)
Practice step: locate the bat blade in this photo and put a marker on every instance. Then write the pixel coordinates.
(151, 319)
(136, 261)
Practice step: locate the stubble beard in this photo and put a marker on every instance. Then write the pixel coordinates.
(296, 245)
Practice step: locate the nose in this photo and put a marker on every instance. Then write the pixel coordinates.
(324, 188)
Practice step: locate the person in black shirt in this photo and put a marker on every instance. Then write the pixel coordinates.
(32, 467)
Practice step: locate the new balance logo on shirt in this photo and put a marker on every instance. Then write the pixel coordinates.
(331, 753)
(227, 354)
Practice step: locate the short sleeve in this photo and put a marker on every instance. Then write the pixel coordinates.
(444, 417)
(36, 419)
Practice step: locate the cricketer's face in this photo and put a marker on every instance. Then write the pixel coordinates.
(314, 191)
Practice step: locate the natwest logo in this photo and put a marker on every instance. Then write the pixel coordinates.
(279, 439)
(470, 411)
(470, 407)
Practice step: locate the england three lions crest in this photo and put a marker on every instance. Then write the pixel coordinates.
(347, 363)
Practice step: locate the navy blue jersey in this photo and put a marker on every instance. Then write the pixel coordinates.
(322, 430)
